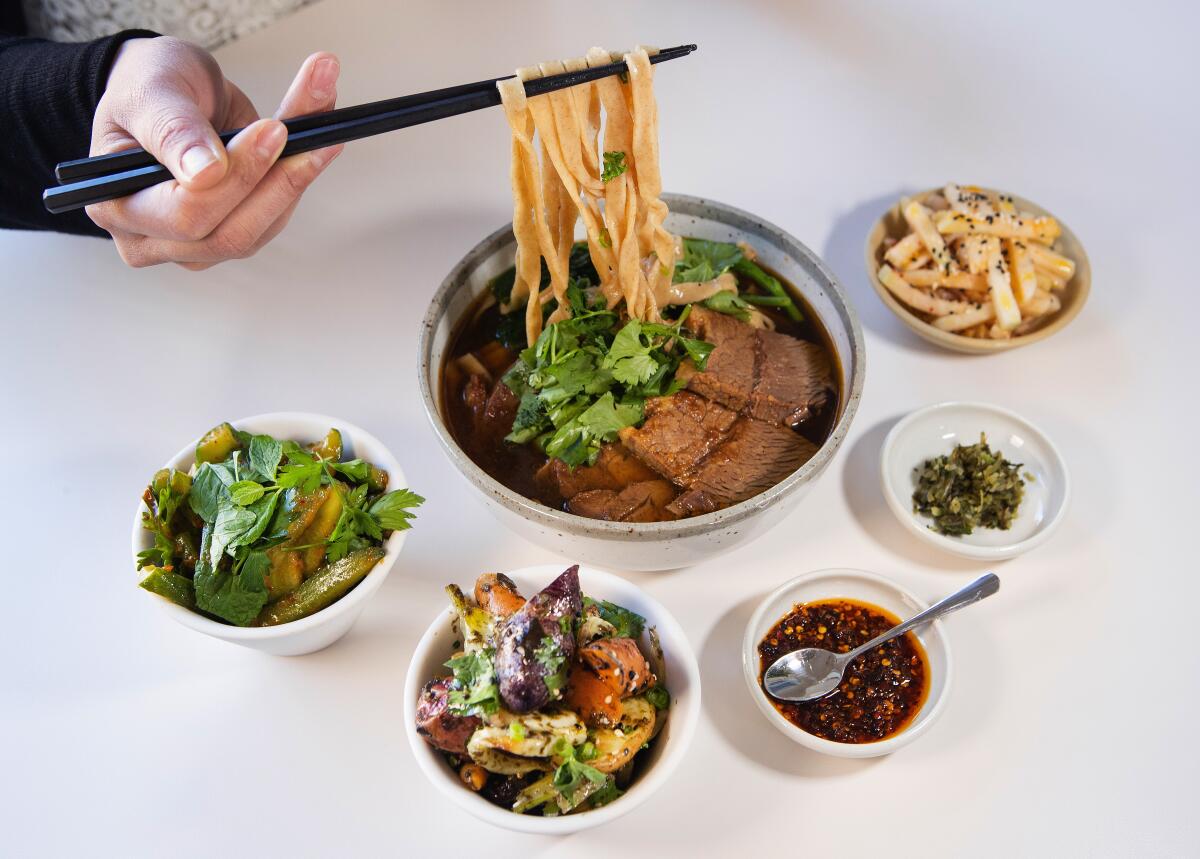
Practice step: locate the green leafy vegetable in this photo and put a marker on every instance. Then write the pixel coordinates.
(704, 260)
(972, 487)
(614, 165)
(574, 780)
(246, 492)
(552, 659)
(730, 304)
(475, 691)
(628, 624)
(606, 794)
(391, 511)
(236, 596)
(208, 489)
(265, 455)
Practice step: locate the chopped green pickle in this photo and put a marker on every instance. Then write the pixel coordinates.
(323, 589)
(172, 586)
(973, 487)
(217, 443)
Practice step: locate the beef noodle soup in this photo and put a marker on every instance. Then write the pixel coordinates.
(697, 440)
(635, 376)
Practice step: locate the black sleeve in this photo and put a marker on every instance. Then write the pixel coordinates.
(48, 95)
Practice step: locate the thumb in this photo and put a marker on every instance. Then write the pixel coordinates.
(175, 130)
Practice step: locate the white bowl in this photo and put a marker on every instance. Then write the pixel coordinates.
(658, 545)
(934, 431)
(865, 587)
(323, 628)
(682, 679)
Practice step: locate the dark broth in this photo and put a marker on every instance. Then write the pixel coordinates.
(515, 465)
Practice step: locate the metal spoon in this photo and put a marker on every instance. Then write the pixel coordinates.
(809, 673)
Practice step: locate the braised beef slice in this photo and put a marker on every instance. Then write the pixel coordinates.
(492, 413)
(645, 501)
(718, 456)
(763, 374)
(614, 470)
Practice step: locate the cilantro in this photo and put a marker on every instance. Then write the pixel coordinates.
(704, 260)
(552, 659)
(614, 165)
(475, 691)
(578, 440)
(391, 511)
(606, 794)
(573, 779)
(628, 624)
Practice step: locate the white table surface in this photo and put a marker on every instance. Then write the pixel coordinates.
(1071, 730)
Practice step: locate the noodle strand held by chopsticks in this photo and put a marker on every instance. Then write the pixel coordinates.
(632, 251)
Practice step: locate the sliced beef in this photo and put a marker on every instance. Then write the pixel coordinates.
(645, 501)
(615, 469)
(492, 413)
(763, 374)
(718, 456)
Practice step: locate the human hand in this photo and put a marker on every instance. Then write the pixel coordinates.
(168, 96)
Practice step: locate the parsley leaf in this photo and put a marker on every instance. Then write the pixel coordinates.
(614, 165)
(391, 511)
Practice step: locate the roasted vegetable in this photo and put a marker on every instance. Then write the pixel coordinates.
(617, 746)
(535, 645)
(474, 624)
(329, 502)
(328, 585)
(329, 447)
(217, 444)
(473, 776)
(517, 744)
(608, 671)
(497, 594)
(441, 728)
(972, 487)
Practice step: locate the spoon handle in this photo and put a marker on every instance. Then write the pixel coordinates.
(984, 586)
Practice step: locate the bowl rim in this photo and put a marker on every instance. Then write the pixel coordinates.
(560, 520)
(974, 345)
(362, 592)
(682, 725)
(966, 550)
(933, 706)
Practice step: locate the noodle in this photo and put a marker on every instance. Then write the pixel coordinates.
(623, 217)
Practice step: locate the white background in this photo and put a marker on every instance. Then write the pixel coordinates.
(1072, 726)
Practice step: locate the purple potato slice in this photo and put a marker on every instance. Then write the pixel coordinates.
(441, 728)
(535, 645)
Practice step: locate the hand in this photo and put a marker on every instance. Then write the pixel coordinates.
(168, 96)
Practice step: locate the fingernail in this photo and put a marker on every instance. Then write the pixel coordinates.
(324, 77)
(322, 157)
(196, 160)
(271, 140)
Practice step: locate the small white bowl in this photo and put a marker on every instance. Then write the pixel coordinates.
(682, 679)
(864, 587)
(934, 431)
(317, 631)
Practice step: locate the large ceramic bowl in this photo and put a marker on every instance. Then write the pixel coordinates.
(326, 626)
(660, 545)
(678, 670)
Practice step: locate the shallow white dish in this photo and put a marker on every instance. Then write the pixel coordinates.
(865, 587)
(322, 629)
(682, 679)
(934, 431)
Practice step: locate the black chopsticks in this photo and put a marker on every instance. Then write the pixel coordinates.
(106, 177)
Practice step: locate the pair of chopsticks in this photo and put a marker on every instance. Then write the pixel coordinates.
(106, 177)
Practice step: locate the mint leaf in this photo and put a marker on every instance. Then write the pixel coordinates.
(245, 492)
(264, 512)
(265, 455)
(231, 522)
(237, 598)
(391, 511)
(208, 490)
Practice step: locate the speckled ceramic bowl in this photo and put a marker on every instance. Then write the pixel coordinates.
(660, 545)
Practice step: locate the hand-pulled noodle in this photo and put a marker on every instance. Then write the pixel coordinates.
(561, 179)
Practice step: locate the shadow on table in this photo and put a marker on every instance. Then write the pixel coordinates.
(843, 253)
(741, 725)
(864, 497)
